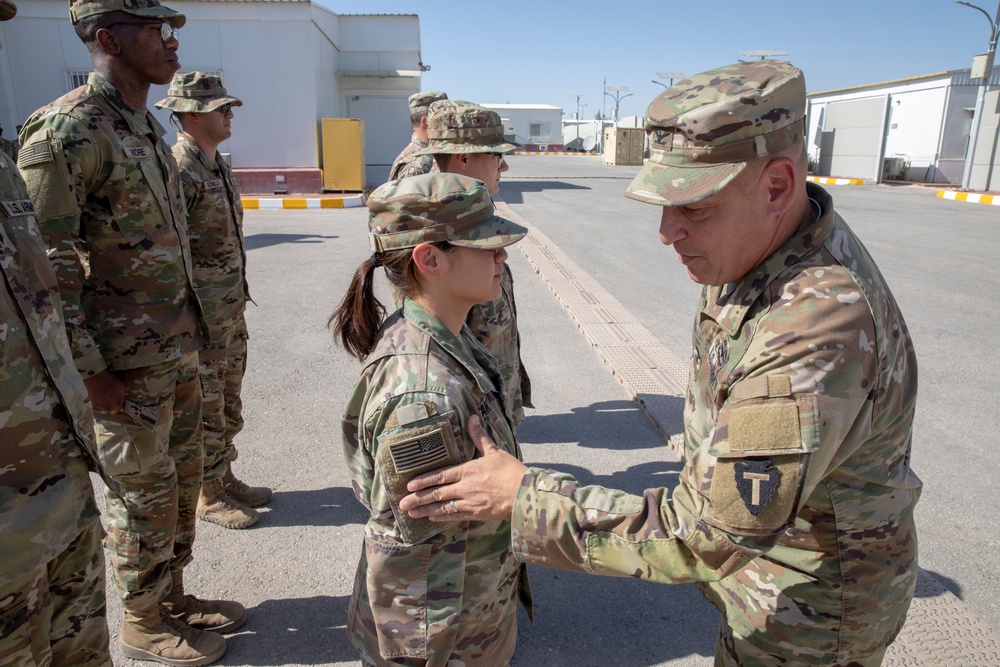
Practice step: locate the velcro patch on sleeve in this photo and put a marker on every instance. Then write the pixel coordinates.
(765, 427)
(405, 455)
(48, 181)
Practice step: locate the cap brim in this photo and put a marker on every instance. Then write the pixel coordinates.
(174, 18)
(191, 105)
(455, 149)
(497, 232)
(671, 185)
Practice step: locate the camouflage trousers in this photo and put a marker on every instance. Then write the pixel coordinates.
(159, 469)
(55, 615)
(733, 651)
(223, 365)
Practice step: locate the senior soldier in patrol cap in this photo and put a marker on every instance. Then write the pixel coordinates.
(467, 139)
(794, 510)
(407, 163)
(203, 108)
(52, 585)
(109, 205)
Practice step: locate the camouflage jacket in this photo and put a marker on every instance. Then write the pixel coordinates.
(9, 147)
(215, 230)
(408, 164)
(109, 205)
(46, 423)
(796, 497)
(494, 324)
(443, 591)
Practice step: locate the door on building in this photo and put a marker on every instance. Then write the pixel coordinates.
(387, 131)
(852, 138)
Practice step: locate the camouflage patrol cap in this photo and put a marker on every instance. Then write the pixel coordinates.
(196, 92)
(457, 126)
(149, 9)
(8, 10)
(704, 129)
(431, 208)
(420, 102)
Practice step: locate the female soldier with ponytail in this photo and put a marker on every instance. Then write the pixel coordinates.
(427, 593)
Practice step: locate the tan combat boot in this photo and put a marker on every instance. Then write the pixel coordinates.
(217, 506)
(208, 615)
(251, 496)
(153, 635)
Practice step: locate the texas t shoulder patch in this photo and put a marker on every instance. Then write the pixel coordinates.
(756, 481)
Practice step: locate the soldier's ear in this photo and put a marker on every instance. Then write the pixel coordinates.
(108, 42)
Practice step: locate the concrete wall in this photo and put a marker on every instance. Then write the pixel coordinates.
(520, 118)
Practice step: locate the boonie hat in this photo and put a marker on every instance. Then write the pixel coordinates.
(421, 102)
(150, 9)
(704, 129)
(457, 126)
(196, 92)
(8, 10)
(431, 208)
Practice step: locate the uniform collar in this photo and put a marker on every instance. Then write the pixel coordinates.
(192, 146)
(728, 304)
(140, 122)
(461, 348)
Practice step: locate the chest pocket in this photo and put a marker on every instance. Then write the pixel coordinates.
(761, 443)
(405, 452)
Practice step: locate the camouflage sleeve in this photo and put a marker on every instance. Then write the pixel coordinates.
(60, 163)
(802, 404)
(190, 189)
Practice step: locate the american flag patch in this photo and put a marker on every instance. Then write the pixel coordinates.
(419, 453)
(39, 153)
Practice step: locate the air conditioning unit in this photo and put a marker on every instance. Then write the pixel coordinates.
(543, 147)
(894, 168)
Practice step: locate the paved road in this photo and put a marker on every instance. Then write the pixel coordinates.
(294, 570)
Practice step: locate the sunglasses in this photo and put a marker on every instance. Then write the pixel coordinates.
(167, 32)
(224, 109)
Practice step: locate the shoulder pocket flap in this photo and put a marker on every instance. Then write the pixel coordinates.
(767, 427)
(407, 454)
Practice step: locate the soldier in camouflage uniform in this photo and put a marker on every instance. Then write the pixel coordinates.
(407, 163)
(468, 139)
(201, 105)
(8, 147)
(52, 585)
(794, 511)
(427, 594)
(109, 206)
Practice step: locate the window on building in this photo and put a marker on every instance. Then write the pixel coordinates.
(76, 78)
(538, 132)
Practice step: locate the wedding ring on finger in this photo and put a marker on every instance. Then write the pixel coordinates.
(453, 509)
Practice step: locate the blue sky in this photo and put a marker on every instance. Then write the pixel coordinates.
(536, 52)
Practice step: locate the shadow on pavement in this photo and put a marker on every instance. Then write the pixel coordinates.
(934, 584)
(295, 631)
(602, 425)
(254, 241)
(335, 506)
(513, 191)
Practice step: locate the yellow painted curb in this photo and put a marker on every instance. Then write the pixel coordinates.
(838, 181)
(971, 197)
(300, 203)
(553, 153)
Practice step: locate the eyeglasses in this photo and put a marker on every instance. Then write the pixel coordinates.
(224, 109)
(167, 31)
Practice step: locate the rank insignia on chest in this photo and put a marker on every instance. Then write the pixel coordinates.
(756, 480)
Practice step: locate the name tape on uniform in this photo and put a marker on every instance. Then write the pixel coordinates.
(16, 207)
(138, 151)
(213, 184)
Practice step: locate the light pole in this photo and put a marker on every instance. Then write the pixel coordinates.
(667, 75)
(577, 96)
(763, 54)
(984, 81)
(618, 97)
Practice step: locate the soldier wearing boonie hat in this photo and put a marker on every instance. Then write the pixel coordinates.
(424, 376)
(103, 180)
(794, 512)
(203, 109)
(407, 163)
(52, 581)
(468, 139)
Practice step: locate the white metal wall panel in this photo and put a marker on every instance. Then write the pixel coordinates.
(852, 137)
(387, 131)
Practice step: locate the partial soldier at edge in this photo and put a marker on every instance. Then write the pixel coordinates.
(407, 163)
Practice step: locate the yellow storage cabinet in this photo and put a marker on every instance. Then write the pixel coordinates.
(344, 154)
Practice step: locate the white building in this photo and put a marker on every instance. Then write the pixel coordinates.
(915, 129)
(536, 127)
(292, 63)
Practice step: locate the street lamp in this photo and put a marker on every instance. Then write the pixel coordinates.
(618, 97)
(763, 54)
(981, 66)
(667, 75)
(577, 96)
